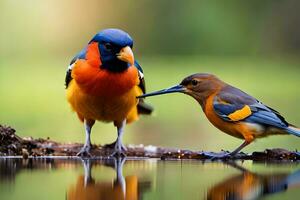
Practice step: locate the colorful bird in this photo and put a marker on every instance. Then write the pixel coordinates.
(102, 83)
(120, 188)
(232, 110)
(250, 185)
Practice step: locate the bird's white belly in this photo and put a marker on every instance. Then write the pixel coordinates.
(256, 129)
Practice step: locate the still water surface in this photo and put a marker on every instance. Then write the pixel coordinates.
(146, 179)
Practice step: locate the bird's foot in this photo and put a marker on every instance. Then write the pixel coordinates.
(218, 156)
(119, 150)
(85, 151)
(113, 145)
(118, 154)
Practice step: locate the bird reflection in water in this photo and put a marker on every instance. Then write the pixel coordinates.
(249, 185)
(87, 188)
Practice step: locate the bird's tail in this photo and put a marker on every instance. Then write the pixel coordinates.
(293, 130)
(144, 108)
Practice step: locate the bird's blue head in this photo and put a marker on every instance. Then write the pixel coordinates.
(115, 48)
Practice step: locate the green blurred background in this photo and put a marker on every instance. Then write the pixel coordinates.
(254, 45)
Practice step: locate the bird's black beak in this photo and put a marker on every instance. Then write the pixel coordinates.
(177, 88)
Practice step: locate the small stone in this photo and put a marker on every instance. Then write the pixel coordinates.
(150, 148)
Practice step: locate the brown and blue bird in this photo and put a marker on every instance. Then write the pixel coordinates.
(102, 83)
(251, 185)
(232, 110)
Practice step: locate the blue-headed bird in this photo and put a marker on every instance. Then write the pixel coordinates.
(121, 188)
(232, 110)
(102, 82)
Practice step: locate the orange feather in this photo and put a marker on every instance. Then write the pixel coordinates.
(98, 94)
(238, 129)
(240, 114)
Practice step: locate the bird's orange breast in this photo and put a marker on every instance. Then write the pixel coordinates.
(227, 127)
(94, 80)
(103, 108)
(98, 94)
(104, 190)
(98, 82)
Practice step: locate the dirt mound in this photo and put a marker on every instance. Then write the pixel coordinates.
(10, 143)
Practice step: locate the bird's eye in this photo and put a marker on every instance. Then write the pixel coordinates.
(194, 82)
(108, 46)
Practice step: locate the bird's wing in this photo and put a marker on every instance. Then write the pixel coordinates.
(143, 108)
(233, 105)
(141, 76)
(68, 78)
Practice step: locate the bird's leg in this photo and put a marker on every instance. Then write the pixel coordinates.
(118, 144)
(224, 155)
(244, 144)
(236, 166)
(120, 180)
(85, 150)
(87, 171)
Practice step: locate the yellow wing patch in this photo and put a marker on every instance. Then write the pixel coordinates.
(240, 114)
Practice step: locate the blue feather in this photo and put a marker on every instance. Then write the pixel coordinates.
(80, 55)
(267, 118)
(293, 131)
(114, 36)
(138, 66)
(227, 109)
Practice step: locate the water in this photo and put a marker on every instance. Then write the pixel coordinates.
(146, 179)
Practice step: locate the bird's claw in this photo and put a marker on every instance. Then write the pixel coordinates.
(118, 154)
(113, 145)
(119, 150)
(85, 152)
(123, 148)
(221, 157)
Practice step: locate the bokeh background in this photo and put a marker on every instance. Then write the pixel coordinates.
(254, 45)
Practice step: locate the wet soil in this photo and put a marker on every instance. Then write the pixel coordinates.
(13, 145)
